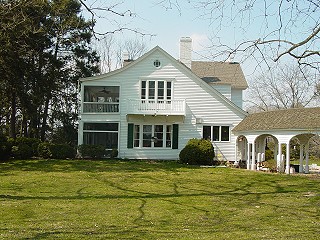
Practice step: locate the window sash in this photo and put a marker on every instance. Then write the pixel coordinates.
(152, 136)
(156, 90)
(216, 133)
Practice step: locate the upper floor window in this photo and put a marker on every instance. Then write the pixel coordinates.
(101, 99)
(216, 133)
(156, 90)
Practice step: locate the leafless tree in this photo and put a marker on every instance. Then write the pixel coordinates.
(285, 87)
(112, 51)
(286, 28)
(112, 12)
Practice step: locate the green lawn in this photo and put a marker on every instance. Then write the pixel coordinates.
(81, 199)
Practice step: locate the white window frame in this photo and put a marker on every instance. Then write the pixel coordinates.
(156, 96)
(164, 134)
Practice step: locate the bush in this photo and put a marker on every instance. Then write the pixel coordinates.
(44, 150)
(24, 148)
(114, 153)
(91, 151)
(197, 152)
(33, 143)
(22, 151)
(57, 151)
(5, 148)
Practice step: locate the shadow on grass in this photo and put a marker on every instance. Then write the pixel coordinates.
(54, 165)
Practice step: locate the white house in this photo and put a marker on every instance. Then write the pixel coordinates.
(152, 106)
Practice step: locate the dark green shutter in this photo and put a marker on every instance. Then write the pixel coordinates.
(175, 136)
(130, 135)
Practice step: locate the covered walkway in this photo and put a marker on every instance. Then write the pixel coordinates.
(282, 126)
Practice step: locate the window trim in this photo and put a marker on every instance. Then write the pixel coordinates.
(101, 131)
(164, 134)
(220, 131)
(165, 89)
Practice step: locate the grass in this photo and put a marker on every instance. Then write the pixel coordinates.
(81, 199)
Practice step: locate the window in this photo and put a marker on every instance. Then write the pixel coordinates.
(152, 136)
(216, 133)
(159, 90)
(156, 63)
(103, 99)
(105, 134)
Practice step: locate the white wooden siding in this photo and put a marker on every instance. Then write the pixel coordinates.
(225, 90)
(236, 97)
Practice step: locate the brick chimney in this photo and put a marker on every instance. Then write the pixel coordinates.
(186, 51)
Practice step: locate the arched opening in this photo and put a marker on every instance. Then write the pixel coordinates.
(305, 147)
(242, 151)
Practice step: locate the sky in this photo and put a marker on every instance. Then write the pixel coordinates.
(168, 23)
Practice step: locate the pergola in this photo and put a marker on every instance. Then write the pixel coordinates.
(282, 126)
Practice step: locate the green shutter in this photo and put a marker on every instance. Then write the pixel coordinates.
(175, 136)
(130, 135)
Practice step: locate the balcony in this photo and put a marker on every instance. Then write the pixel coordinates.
(153, 107)
(100, 107)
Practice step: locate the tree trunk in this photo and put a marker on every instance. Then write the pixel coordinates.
(44, 120)
(13, 116)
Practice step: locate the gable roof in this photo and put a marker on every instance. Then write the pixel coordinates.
(294, 118)
(195, 77)
(220, 73)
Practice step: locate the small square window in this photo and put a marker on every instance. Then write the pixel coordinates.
(156, 63)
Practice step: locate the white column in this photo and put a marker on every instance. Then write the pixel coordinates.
(258, 160)
(301, 159)
(279, 158)
(307, 158)
(288, 158)
(248, 156)
(253, 163)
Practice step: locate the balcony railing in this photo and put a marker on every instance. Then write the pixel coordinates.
(100, 107)
(156, 107)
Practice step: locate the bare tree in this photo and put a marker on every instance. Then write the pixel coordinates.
(112, 51)
(112, 12)
(286, 28)
(286, 87)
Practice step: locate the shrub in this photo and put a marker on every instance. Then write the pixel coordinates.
(57, 151)
(44, 150)
(5, 148)
(114, 153)
(33, 143)
(197, 151)
(22, 151)
(91, 151)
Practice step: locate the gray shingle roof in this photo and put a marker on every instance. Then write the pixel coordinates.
(220, 73)
(295, 118)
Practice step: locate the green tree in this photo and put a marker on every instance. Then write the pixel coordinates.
(44, 50)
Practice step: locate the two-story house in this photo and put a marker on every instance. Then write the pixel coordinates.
(152, 106)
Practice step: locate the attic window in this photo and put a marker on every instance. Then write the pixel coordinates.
(156, 63)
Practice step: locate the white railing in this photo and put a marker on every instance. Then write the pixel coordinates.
(154, 107)
(104, 107)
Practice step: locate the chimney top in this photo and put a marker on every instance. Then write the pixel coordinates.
(186, 51)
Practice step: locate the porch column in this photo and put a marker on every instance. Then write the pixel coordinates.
(307, 158)
(279, 158)
(253, 163)
(288, 158)
(301, 159)
(248, 156)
